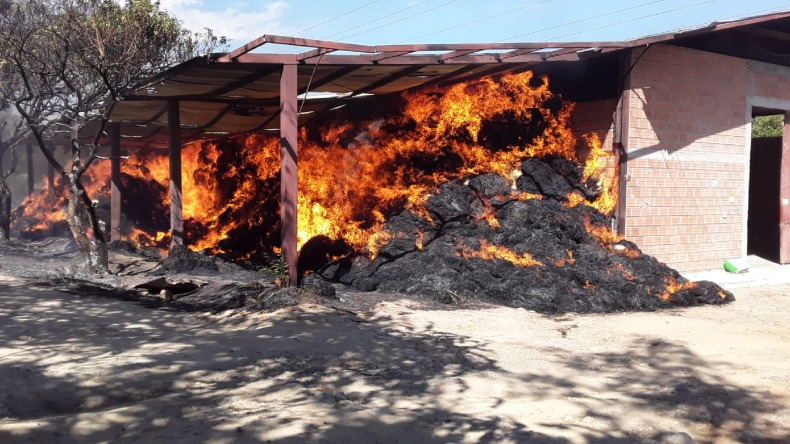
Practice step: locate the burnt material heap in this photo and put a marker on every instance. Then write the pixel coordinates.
(527, 247)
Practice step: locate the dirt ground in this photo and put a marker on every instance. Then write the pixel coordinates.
(90, 369)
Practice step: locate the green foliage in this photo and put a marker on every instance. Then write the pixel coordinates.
(768, 126)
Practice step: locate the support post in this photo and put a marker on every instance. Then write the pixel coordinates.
(174, 145)
(115, 181)
(31, 183)
(623, 121)
(288, 169)
(784, 195)
(51, 176)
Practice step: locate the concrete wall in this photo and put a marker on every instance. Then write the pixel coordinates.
(688, 148)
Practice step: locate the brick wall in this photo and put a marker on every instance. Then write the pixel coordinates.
(688, 147)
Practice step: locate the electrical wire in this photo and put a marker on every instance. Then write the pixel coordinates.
(403, 19)
(635, 19)
(477, 21)
(583, 20)
(378, 19)
(345, 14)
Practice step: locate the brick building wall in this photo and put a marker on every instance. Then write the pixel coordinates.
(688, 151)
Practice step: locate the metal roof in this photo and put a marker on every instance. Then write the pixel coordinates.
(239, 91)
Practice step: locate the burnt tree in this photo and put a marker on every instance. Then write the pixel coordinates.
(64, 62)
(12, 130)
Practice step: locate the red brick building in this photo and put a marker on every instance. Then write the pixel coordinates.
(684, 116)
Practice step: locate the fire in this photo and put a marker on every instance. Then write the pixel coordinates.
(492, 251)
(354, 176)
(618, 268)
(673, 286)
(566, 261)
(605, 235)
(489, 214)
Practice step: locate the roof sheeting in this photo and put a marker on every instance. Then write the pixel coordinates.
(239, 91)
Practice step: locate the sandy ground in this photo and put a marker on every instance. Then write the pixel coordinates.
(95, 369)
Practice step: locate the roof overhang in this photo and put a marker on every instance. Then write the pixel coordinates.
(239, 91)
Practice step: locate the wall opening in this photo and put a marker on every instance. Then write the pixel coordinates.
(763, 238)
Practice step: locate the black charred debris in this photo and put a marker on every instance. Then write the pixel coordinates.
(578, 272)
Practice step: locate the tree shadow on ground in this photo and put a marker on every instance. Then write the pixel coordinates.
(90, 369)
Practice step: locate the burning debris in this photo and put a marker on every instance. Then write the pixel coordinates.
(542, 252)
(474, 191)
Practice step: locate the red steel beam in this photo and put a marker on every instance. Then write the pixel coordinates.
(288, 170)
(784, 195)
(293, 41)
(115, 181)
(31, 184)
(176, 195)
(623, 125)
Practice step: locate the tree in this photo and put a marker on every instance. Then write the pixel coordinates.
(12, 130)
(62, 65)
(768, 126)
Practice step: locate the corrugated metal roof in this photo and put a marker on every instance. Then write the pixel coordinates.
(238, 92)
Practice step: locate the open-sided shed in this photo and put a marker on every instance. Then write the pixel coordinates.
(675, 109)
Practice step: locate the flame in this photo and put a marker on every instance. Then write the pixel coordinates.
(566, 261)
(673, 286)
(619, 268)
(489, 214)
(605, 235)
(492, 251)
(354, 176)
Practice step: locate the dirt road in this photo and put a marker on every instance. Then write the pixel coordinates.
(94, 369)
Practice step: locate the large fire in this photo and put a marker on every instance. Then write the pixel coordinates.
(353, 176)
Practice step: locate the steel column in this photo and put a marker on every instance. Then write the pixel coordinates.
(174, 145)
(288, 169)
(622, 129)
(31, 183)
(115, 181)
(51, 176)
(784, 195)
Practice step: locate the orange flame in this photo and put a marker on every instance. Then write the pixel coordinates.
(354, 176)
(492, 251)
(673, 286)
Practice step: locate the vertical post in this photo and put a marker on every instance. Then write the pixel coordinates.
(31, 183)
(174, 145)
(51, 176)
(288, 169)
(623, 123)
(784, 195)
(115, 181)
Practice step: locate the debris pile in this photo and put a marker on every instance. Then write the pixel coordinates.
(530, 247)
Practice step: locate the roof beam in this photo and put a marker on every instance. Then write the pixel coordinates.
(293, 41)
(388, 79)
(771, 33)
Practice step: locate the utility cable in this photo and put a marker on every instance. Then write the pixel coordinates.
(403, 19)
(583, 20)
(378, 19)
(345, 14)
(478, 21)
(635, 19)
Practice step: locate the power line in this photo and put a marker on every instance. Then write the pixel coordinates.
(583, 20)
(403, 19)
(477, 21)
(635, 19)
(377, 20)
(345, 14)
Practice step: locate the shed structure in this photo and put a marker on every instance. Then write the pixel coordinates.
(675, 109)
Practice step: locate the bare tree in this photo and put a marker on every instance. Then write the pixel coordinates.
(12, 130)
(64, 62)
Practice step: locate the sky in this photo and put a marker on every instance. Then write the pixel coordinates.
(380, 22)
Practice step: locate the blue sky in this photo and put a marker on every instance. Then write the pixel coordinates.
(458, 21)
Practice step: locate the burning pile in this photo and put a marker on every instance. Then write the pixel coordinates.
(530, 247)
(472, 191)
